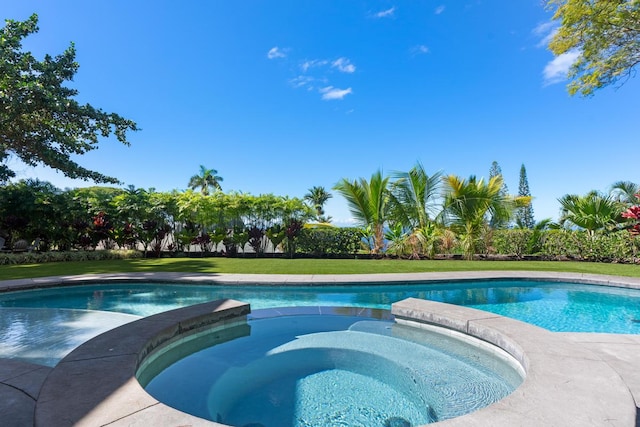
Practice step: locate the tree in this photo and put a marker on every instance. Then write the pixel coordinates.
(415, 195)
(414, 201)
(592, 212)
(468, 203)
(495, 171)
(205, 179)
(524, 215)
(318, 196)
(369, 204)
(625, 192)
(604, 36)
(40, 121)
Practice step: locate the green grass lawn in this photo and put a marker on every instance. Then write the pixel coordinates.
(301, 266)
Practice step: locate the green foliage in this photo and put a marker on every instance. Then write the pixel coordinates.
(205, 180)
(591, 212)
(369, 204)
(524, 214)
(606, 36)
(469, 202)
(47, 257)
(415, 197)
(328, 241)
(513, 241)
(619, 246)
(40, 121)
(318, 196)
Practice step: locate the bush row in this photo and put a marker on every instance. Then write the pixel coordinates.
(52, 256)
(618, 246)
(322, 242)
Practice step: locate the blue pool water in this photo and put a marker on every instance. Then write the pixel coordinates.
(555, 306)
(328, 370)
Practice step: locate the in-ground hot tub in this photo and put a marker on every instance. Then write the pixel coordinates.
(329, 369)
(96, 384)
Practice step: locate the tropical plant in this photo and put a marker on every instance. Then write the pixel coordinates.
(276, 234)
(591, 212)
(368, 202)
(318, 196)
(205, 180)
(496, 170)
(414, 204)
(397, 238)
(468, 203)
(625, 192)
(415, 196)
(292, 230)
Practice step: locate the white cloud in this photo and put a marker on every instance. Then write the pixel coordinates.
(301, 81)
(439, 9)
(545, 31)
(419, 49)
(556, 70)
(306, 65)
(385, 13)
(330, 93)
(276, 52)
(344, 65)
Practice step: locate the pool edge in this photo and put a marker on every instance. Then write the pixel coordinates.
(566, 384)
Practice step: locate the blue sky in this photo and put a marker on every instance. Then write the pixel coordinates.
(280, 96)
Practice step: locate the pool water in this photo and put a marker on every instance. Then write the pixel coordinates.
(559, 307)
(46, 335)
(328, 370)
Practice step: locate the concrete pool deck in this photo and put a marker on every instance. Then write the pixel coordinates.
(578, 378)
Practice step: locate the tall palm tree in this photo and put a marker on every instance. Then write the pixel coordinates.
(318, 196)
(369, 204)
(205, 179)
(591, 212)
(469, 203)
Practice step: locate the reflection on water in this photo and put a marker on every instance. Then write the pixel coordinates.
(552, 305)
(44, 336)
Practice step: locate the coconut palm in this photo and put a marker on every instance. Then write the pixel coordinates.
(369, 204)
(206, 179)
(415, 196)
(414, 204)
(591, 212)
(318, 196)
(469, 203)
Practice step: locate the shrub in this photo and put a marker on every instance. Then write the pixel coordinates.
(329, 241)
(37, 258)
(512, 242)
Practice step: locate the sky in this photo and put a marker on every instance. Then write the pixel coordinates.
(280, 96)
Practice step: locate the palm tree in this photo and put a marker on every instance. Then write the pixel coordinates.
(415, 196)
(414, 201)
(625, 192)
(591, 212)
(469, 203)
(205, 179)
(318, 196)
(369, 204)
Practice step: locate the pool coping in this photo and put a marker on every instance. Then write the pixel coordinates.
(567, 383)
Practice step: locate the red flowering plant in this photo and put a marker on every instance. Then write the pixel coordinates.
(633, 213)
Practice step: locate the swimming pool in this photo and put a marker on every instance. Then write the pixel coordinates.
(556, 306)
